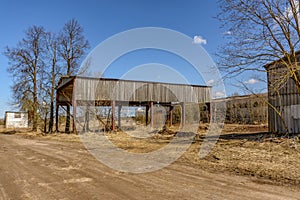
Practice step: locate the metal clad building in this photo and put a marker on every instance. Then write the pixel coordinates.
(284, 96)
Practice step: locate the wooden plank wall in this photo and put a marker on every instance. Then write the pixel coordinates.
(138, 91)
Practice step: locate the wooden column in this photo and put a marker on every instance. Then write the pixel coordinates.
(182, 114)
(67, 128)
(87, 120)
(171, 115)
(119, 115)
(210, 113)
(147, 113)
(152, 114)
(74, 106)
(113, 108)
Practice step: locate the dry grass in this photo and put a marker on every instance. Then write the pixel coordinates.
(243, 150)
(278, 162)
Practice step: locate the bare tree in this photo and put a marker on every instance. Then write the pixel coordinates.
(53, 73)
(264, 35)
(260, 32)
(72, 47)
(26, 66)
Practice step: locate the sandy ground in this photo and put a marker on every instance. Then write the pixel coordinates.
(59, 167)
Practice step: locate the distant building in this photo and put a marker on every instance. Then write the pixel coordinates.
(16, 119)
(246, 109)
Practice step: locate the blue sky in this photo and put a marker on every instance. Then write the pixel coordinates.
(103, 18)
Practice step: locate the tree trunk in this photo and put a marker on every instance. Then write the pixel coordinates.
(35, 121)
(67, 128)
(45, 123)
(50, 130)
(56, 119)
(35, 100)
(52, 96)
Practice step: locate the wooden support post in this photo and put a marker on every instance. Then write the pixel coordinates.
(74, 119)
(74, 106)
(87, 120)
(210, 113)
(182, 114)
(152, 114)
(171, 115)
(119, 115)
(147, 114)
(113, 108)
(67, 128)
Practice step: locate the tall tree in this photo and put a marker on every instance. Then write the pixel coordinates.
(260, 32)
(72, 47)
(26, 66)
(53, 73)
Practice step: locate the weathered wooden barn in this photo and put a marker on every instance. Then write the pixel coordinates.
(16, 119)
(79, 91)
(284, 99)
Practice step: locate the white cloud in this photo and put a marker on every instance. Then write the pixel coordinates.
(210, 82)
(227, 33)
(219, 94)
(252, 81)
(199, 40)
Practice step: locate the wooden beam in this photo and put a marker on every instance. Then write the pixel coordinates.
(74, 106)
(113, 108)
(182, 114)
(147, 114)
(119, 115)
(152, 114)
(210, 113)
(171, 115)
(87, 120)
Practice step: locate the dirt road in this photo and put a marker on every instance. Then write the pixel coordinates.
(47, 169)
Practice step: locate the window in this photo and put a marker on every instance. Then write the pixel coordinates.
(17, 115)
